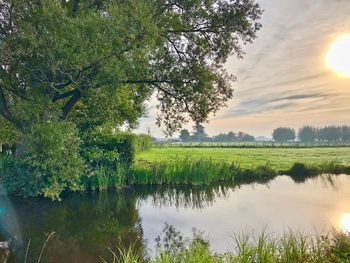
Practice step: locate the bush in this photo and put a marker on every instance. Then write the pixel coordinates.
(143, 142)
(105, 148)
(49, 161)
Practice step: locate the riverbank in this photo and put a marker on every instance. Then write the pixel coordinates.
(291, 247)
(204, 166)
(247, 248)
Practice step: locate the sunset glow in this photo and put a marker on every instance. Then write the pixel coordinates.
(338, 56)
(345, 222)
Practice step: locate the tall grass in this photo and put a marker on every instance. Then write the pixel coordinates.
(200, 172)
(189, 171)
(195, 172)
(249, 248)
(104, 178)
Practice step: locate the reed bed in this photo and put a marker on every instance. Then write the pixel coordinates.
(193, 172)
(201, 172)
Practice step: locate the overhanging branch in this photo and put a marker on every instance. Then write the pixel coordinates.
(4, 111)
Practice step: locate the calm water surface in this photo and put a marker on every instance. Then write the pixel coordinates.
(85, 225)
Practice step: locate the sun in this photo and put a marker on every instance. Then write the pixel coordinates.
(345, 222)
(338, 56)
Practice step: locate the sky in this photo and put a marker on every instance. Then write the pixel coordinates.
(283, 79)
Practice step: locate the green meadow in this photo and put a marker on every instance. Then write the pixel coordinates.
(277, 158)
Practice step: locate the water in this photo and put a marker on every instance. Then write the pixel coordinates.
(86, 224)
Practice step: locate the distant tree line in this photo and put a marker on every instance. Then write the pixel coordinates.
(309, 134)
(199, 135)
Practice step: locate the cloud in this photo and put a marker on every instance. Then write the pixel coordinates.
(282, 80)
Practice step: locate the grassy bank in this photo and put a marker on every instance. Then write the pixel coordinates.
(203, 172)
(277, 158)
(204, 166)
(247, 248)
(189, 171)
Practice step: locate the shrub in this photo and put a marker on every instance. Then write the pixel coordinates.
(143, 142)
(49, 164)
(299, 172)
(105, 148)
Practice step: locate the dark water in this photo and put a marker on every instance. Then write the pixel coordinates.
(86, 224)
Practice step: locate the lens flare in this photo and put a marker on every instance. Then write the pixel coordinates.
(338, 56)
(345, 222)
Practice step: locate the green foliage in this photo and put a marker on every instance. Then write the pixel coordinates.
(299, 169)
(223, 137)
(16, 178)
(185, 135)
(143, 142)
(283, 134)
(8, 133)
(109, 156)
(250, 247)
(107, 148)
(329, 134)
(244, 137)
(68, 68)
(174, 248)
(337, 249)
(307, 134)
(49, 161)
(83, 55)
(196, 172)
(334, 134)
(199, 134)
(103, 178)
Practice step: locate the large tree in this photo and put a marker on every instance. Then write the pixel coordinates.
(307, 134)
(283, 134)
(96, 62)
(199, 133)
(185, 135)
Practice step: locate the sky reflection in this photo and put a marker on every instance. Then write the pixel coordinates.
(344, 222)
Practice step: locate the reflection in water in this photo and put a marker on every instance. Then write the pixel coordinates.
(86, 225)
(183, 197)
(345, 222)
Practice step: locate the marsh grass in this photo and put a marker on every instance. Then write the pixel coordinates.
(195, 172)
(104, 178)
(189, 171)
(250, 248)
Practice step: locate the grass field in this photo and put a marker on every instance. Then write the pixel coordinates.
(278, 158)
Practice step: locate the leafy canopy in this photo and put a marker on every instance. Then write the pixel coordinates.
(96, 62)
(283, 134)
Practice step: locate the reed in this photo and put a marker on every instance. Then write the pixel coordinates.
(104, 178)
(188, 171)
(263, 248)
(195, 172)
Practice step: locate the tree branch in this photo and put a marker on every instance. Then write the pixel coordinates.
(70, 104)
(59, 96)
(4, 111)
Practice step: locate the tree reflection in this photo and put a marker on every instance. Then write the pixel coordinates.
(86, 225)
